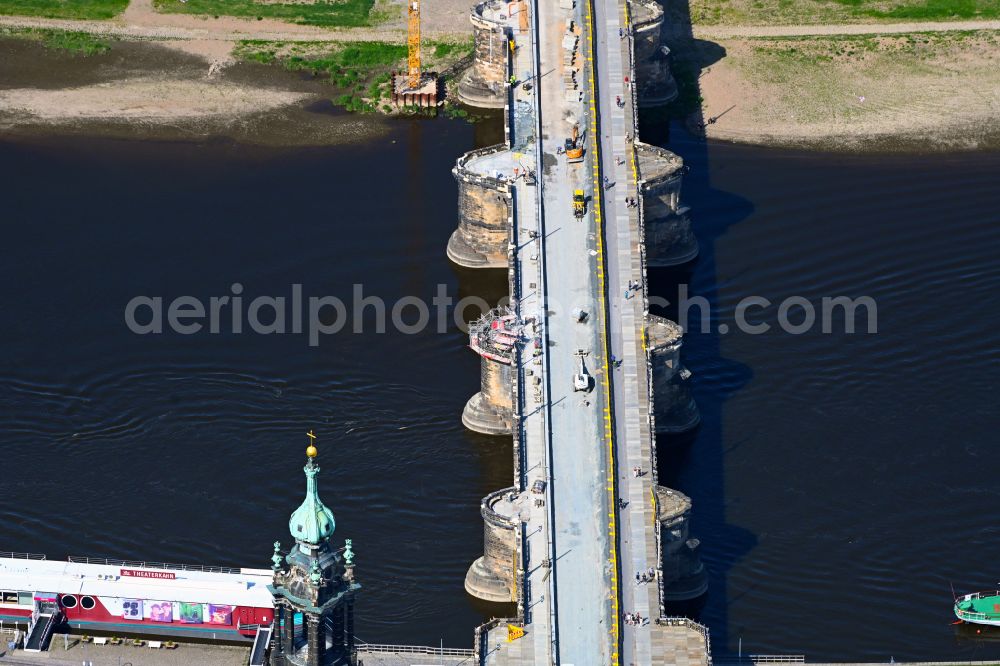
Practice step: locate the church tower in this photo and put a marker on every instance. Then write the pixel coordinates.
(313, 587)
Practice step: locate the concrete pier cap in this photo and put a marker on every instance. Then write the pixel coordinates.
(491, 577)
(485, 208)
(674, 408)
(484, 83)
(684, 576)
(669, 239)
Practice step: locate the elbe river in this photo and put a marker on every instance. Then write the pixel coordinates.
(841, 482)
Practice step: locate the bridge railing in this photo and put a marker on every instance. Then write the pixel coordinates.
(971, 615)
(515, 279)
(11, 555)
(481, 646)
(152, 565)
(508, 115)
(379, 648)
(777, 659)
(979, 595)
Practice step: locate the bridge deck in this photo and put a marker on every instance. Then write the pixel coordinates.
(573, 609)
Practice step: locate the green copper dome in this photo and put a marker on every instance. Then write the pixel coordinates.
(312, 522)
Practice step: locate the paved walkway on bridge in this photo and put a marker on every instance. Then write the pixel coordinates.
(637, 538)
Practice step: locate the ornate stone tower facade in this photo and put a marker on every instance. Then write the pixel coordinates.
(313, 587)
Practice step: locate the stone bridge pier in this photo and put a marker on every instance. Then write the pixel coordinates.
(674, 409)
(484, 83)
(491, 577)
(684, 576)
(485, 209)
(655, 84)
(493, 336)
(669, 239)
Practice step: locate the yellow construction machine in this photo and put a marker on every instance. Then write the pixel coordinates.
(574, 146)
(579, 203)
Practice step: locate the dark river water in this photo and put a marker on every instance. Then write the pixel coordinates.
(841, 482)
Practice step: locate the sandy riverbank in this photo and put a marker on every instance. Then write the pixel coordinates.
(159, 90)
(151, 100)
(901, 91)
(847, 86)
(175, 74)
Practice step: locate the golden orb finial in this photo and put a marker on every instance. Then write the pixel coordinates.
(311, 449)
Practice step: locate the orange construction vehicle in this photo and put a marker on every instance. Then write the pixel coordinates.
(574, 147)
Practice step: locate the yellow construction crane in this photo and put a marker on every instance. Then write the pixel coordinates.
(413, 44)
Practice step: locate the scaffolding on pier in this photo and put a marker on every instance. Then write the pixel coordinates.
(495, 334)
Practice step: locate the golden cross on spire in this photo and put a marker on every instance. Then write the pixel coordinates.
(311, 449)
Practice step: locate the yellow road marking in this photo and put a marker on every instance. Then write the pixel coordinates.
(608, 431)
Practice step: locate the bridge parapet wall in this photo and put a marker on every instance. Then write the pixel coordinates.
(464, 164)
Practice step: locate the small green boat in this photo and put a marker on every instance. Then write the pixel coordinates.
(979, 608)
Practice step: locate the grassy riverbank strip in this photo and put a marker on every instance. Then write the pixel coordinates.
(930, 89)
(363, 70)
(340, 14)
(82, 43)
(818, 12)
(64, 9)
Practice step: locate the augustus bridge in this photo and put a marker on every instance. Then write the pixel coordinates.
(586, 542)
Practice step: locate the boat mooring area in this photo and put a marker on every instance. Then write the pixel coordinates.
(72, 649)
